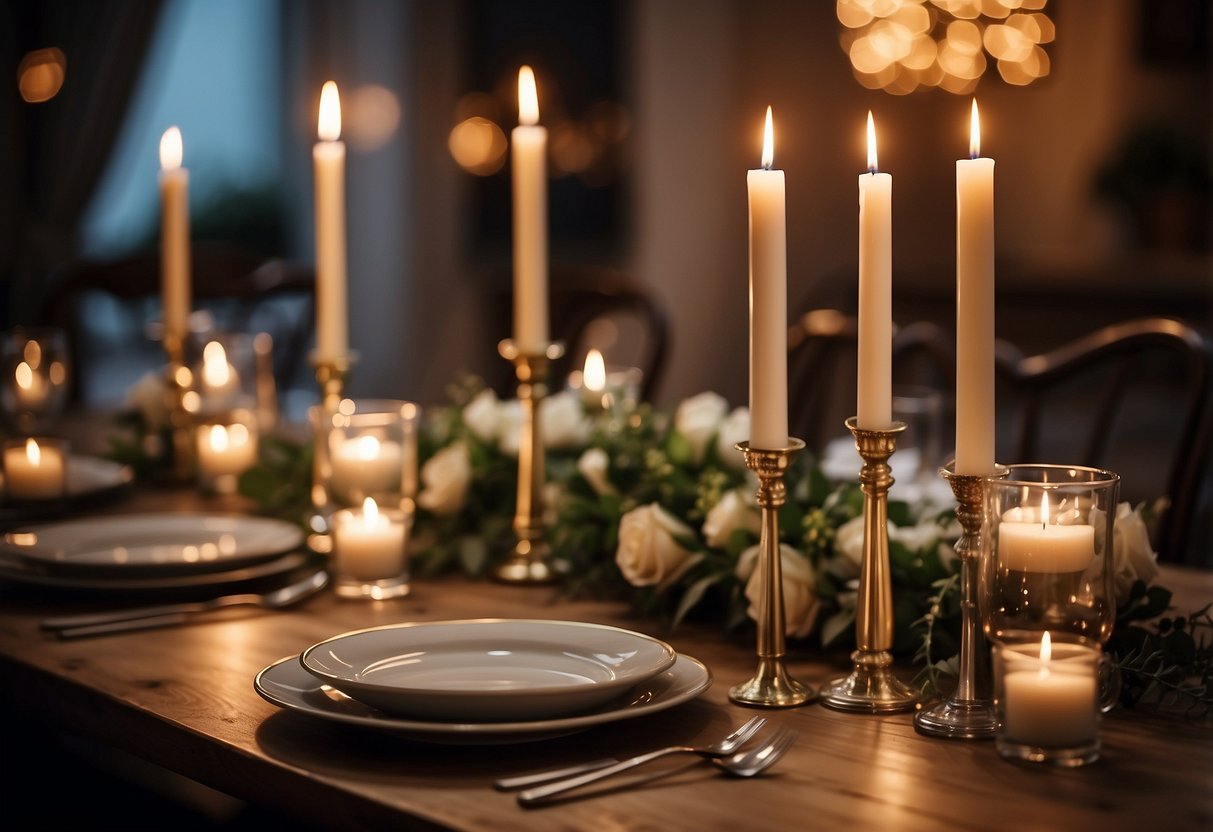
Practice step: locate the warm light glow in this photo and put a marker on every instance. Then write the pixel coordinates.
(40, 75)
(768, 142)
(372, 117)
(478, 145)
(171, 149)
(25, 376)
(594, 374)
(328, 126)
(871, 144)
(218, 437)
(366, 447)
(33, 453)
(370, 511)
(1046, 653)
(216, 372)
(32, 354)
(1044, 509)
(528, 96)
(974, 132)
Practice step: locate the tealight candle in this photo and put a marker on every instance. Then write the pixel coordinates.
(225, 450)
(220, 381)
(1048, 703)
(1045, 547)
(366, 465)
(35, 469)
(368, 543)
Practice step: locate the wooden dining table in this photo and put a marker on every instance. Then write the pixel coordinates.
(182, 698)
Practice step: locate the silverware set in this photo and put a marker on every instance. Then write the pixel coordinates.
(164, 615)
(727, 754)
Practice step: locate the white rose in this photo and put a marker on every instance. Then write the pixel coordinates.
(848, 549)
(482, 415)
(648, 554)
(734, 429)
(563, 421)
(445, 478)
(698, 418)
(730, 513)
(915, 538)
(509, 427)
(1133, 558)
(800, 601)
(594, 465)
(150, 397)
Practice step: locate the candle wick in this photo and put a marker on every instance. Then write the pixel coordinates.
(766, 165)
(872, 170)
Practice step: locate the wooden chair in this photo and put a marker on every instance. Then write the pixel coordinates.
(821, 369)
(242, 290)
(1134, 398)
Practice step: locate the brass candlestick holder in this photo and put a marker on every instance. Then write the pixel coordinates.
(331, 375)
(529, 562)
(179, 381)
(872, 688)
(969, 712)
(771, 686)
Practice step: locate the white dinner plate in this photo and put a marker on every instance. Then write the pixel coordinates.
(491, 669)
(287, 685)
(152, 544)
(22, 572)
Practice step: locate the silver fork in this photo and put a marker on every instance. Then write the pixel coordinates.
(742, 764)
(721, 748)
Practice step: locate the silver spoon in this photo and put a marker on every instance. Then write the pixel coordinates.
(720, 748)
(70, 626)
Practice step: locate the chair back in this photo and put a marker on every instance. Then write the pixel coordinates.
(1134, 398)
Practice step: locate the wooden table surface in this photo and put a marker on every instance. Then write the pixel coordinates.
(183, 698)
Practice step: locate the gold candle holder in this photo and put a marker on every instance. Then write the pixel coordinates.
(179, 381)
(530, 560)
(872, 688)
(969, 712)
(771, 686)
(331, 375)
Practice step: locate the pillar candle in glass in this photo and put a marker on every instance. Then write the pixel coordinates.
(328, 160)
(35, 469)
(874, 404)
(369, 552)
(975, 308)
(528, 168)
(226, 448)
(768, 300)
(371, 451)
(175, 238)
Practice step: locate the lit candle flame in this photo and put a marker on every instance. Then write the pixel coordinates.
(216, 372)
(218, 438)
(171, 149)
(871, 144)
(594, 374)
(328, 126)
(974, 133)
(24, 376)
(370, 511)
(33, 453)
(1046, 653)
(768, 142)
(1044, 510)
(528, 96)
(367, 447)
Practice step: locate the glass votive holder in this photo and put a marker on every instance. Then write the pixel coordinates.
(33, 388)
(606, 388)
(35, 468)
(1047, 554)
(225, 374)
(370, 557)
(1047, 700)
(367, 448)
(226, 446)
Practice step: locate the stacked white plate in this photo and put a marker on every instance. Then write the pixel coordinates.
(484, 680)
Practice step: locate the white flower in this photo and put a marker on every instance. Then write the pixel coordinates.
(848, 549)
(697, 420)
(648, 554)
(730, 513)
(445, 478)
(734, 429)
(915, 538)
(150, 397)
(800, 601)
(509, 427)
(563, 420)
(594, 465)
(482, 415)
(1133, 558)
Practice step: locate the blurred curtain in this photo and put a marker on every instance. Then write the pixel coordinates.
(52, 153)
